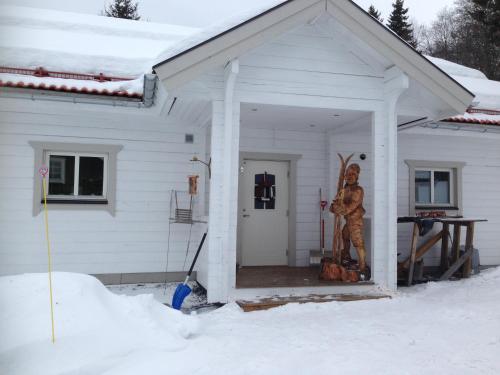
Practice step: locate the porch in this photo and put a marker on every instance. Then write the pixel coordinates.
(283, 276)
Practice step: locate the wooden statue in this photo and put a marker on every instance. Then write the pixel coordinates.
(348, 203)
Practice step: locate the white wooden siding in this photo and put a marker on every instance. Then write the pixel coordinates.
(312, 170)
(153, 161)
(481, 179)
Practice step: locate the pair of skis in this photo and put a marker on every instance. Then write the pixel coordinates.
(337, 227)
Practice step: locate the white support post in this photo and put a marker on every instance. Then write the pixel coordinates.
(223, 190)
(385, 162)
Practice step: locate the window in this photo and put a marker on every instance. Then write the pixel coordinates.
(80, 176)
(435, 185)
(76, 175)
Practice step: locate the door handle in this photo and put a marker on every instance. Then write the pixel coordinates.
(246, 215)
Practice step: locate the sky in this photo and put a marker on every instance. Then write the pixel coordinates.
(201, 13)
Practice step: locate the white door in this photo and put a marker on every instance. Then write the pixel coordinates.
(264, 213)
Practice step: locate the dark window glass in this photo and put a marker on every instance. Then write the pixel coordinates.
(91, 175)
(61, 175)
(264, 191)
(441, 187)
(423, 186)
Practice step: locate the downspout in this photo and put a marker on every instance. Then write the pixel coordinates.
(149, 90)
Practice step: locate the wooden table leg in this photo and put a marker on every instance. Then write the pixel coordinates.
(413, 252)
(469, 239)
(444, 247)
(456, 242)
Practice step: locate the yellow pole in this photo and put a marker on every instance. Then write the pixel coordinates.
(48, 252)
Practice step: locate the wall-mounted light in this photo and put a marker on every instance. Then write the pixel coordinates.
(195, 158)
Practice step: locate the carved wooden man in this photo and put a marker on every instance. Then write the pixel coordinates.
(349, 203)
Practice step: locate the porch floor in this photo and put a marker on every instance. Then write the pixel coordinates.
(284, 276)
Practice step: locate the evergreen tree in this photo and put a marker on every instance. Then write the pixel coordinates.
(487, 13)
(375, 13)
(122, 9)
(398, 22)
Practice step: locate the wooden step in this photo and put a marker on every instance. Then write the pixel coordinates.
(269, 303)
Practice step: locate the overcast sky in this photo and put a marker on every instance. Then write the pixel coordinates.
(200, 13)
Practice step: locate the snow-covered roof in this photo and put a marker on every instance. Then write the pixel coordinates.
(78, 43)
(89, 44)
(487, 92)
(214, 30)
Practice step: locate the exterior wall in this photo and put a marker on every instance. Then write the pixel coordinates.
(481, 181)
(154, 160)
(312, 171)
(481, 178)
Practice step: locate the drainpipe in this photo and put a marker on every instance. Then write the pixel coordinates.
(149, 90)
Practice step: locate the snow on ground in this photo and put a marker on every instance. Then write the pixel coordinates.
(161, 292)
(436, 328)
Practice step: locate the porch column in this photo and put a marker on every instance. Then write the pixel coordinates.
(385, 192)
(223, 190)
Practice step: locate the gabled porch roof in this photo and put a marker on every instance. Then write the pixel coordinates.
(185, 61)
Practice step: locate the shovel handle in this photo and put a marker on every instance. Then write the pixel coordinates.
(196, 256)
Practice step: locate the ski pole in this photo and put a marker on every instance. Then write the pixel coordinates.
(43, 172)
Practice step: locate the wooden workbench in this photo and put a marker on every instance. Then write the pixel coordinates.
(457, 261)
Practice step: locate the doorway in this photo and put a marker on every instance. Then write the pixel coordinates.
(264, 212)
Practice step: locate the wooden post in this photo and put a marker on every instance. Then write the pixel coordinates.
(468, 247)
(413, 252)
(444, 247)
(456, 242)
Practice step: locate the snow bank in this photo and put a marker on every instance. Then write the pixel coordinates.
(91, 325)
(444, 328)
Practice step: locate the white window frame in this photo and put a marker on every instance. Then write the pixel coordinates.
(76, 179)
(455, 205)
(451, 187)
(106, 202)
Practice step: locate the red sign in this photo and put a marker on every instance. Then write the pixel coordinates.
(43, 170)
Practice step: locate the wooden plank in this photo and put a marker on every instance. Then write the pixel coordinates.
(444, 247)
(456, 242)
(413, 252)
(425, 247)
(469, 239)
(455, 266)
(269, 303)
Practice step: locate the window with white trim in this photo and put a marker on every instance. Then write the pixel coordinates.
(81, 176)
(435, 185)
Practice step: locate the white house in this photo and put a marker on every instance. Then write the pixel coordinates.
(118, 109)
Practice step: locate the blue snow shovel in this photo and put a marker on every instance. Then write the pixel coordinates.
(183, 290)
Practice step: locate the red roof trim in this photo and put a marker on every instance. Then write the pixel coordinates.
(484, 111)
(41, 72)
(465, 120)
(64, 88)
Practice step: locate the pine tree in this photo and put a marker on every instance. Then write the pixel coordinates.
(375, 13)
(122, 9)
(487, 13)
(398, 22)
